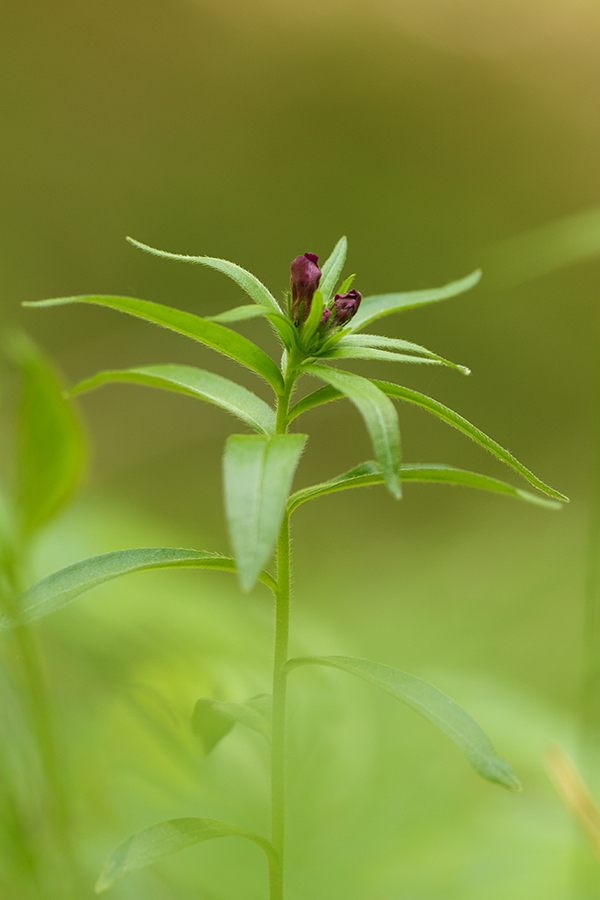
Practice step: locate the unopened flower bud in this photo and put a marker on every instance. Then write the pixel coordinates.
(325, 318)
(306, 276)
(345, 306)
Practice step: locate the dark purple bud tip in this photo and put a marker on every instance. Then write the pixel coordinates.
(345, 306)
(306, 276)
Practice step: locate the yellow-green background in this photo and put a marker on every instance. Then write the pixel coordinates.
(427, 131)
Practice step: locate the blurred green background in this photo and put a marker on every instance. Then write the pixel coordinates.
(428, 132)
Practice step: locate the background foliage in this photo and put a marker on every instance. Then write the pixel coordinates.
(427, 132)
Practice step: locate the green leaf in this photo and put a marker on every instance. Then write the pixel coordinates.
(332, 269)
(379, 305)
(379, 341)
(313, 319)
(346, 285)
(326, 395)
(213, 719)
(258, 475)
(435, 706)
(372, 353)
(379, 416)
(60, 588)
(222, 339)
(150, 844)
(194, 383)
(246, 280)
(241, 313)
(51, 446)
(369, 473)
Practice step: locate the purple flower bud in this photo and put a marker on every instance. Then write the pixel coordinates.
(325, 317)
(345, 306)
(306, 276)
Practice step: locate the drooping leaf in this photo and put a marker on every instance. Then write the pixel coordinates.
(258, 474)
(246, 280)
(382, 342)
(213, 719)
(369, 473)
(222, 339)
(379, 305)
(431, 703)
(51, 446)
(241, 313)
(396, 391)
(194, 383)
(150, 844)
(332, 269)
(60, 588)
(379, 416)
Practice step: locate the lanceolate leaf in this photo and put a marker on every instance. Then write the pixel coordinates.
(62, 587)
(149, 845)
(213, 719)
(258, 475)
(435, 706)
(379, 305)
(51, 447)
(341, 352)
(381, 342)
(379, 416)
(194, 383)
(241, 313)
(246, 280)
(332, 269)
(327, 394)
(222, 339)
(369, 473)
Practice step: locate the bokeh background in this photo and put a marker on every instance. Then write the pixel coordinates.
(433, 134)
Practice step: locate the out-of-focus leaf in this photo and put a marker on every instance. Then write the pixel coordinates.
(194, 383)
(222, 339)
(213, 719)
(246, 280)
(332, 268)
(241, 313)
(258, 475)
(51, 447)
(396, 391)
(379, 305)
(379, 416)
(369, 473)
(62, 587)
(150, 844)
(435, 706)
(379, 341)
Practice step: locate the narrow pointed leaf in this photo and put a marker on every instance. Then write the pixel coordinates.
(382, 342)
(246, 280)
(192, 382)
(369, 473)
(379, 416)
(241, 313)
(379, 305)
(222, 339)
(396, 391)
(431, 703)
(60, 588)
(332, 269)
(51, 446)
(313, 319)
(372, 353)
(258, 474)
(150, 844)
(213, 719)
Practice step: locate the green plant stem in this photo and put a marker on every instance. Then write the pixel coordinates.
(282, 623)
